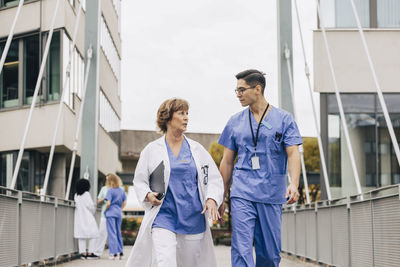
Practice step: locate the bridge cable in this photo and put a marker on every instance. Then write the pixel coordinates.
(61, 105)
(10, 36)
(78, 124)
(307, 72)
(38, 83)
(339, 102)
(301, 149)
(378, 87)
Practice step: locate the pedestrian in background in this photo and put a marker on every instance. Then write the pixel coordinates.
(101, 240)
(116, 201)
(85, 226)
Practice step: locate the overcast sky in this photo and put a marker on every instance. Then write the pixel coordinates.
(193, 49)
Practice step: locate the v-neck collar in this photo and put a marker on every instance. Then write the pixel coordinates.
(266, 117)
(172, 152)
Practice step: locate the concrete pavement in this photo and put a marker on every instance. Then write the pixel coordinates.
(223, 259)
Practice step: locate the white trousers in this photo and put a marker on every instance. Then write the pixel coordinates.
(175, 250)
(82, 245)
(101, 240)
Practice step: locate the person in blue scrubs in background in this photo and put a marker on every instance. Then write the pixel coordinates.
(265, 140)
(116, 201)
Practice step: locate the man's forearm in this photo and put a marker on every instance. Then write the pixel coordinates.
(294, 167)
(226, 172)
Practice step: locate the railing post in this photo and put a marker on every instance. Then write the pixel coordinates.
(331, 230)
(372, 229)
(55, 229)
(316, 231)
(349, 226)
(19, 227)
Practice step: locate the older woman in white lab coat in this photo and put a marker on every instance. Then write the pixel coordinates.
(175, 231)
(85, 226)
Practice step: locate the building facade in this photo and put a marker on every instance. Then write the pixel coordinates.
(373, 150)
(18, 80)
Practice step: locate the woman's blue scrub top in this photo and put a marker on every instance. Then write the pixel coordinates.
(277, 132)
(181, 209)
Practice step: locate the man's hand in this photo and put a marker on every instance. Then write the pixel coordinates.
(293, 193)
(211, 206)
(152, 198)
(221, 212)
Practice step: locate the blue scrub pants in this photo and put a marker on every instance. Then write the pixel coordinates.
(259, 222)
(115, 243)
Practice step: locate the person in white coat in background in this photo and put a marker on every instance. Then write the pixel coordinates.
(175, 230)
(85, 226)
(102, 238)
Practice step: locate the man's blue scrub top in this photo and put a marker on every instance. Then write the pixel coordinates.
(181, 209)
(277, 132)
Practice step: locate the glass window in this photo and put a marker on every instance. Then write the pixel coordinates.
(9, 76)
(53, 68)
(31, 173)
(388, 13)
(6, 168)
(392, 102)
(362, 131)
(75, 82)
(371, 143)
(40, 170)
(23, 178)
(8, 3)
(110, 51)
(352, 103)
(389, 170)
(345, 17)
(327, 9)
(108, 118)
(334, 150)
(339, 13)
(66, 48)
(31, 67)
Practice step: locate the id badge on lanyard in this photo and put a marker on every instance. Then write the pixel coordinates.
(255, 161)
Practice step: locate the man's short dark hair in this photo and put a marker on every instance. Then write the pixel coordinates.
(252, 78)
(82, 185)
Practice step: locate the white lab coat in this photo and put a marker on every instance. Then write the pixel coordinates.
(85, 225)
(150, 157)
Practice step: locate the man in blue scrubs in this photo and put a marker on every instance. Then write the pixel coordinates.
(265, 140)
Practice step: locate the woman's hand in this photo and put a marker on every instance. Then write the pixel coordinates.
(152, 198)
(212, 208)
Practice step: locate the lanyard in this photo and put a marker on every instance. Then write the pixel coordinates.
(255, 139)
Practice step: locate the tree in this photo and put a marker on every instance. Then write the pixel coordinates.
(311, 154)
(312, 162)
(216, 151)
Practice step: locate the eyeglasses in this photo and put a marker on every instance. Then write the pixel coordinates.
(240, 90)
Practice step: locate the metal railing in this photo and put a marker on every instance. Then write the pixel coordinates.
(34, 228)
(362, 230)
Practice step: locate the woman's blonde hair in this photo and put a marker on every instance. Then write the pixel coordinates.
(113, 180)
(167, 109)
